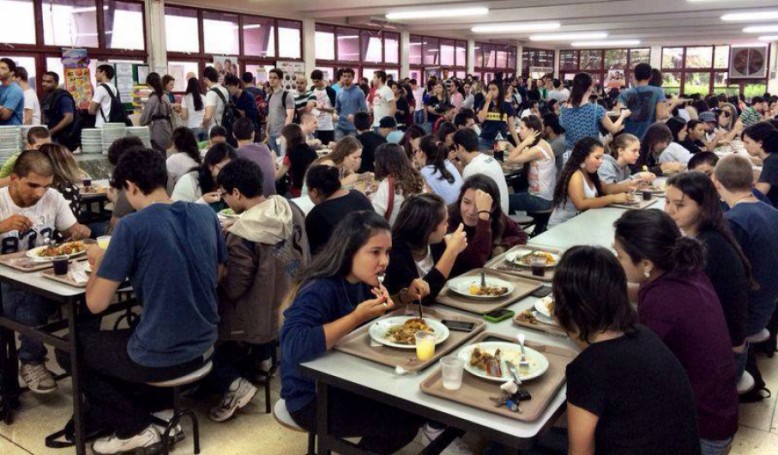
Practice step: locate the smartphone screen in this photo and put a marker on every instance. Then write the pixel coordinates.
(461, 326)
(542, 292)
(498, 313)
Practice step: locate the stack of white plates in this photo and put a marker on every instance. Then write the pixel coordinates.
(23, 130)
(9, 142)
(91, 140)
(143, 132)
(111, 132)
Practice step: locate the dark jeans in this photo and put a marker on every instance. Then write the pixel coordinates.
(115, 386)
(528, 203)
(383, 429)
(325, 136)
(31, 310)
(232, 360)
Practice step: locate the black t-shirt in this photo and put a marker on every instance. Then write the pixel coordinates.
(300, 157)
(640, 393)
(370, 141)
(434, 102)
(692, 146)
(402, 105)
(321, 220)
(494, 123)
(770, 175)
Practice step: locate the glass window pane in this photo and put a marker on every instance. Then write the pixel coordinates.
(348, 44)
(371, 46)
(639, 56)
(22, 28)
(181, 33)
(753, 89)
(721, 57)
(391, 47)
(671, 79)
(431, 48)
(328, 72)
(70, 23)
(394, 73)
(502, 59)
(546, 58)
(447, 52)
(124, 25)
(479, 56)
(289, 39)
(568, 60)
(414, 56)
(512, 58)
(616, 59)
(258, 36)
(672, 57)
(697, 83)
(591, 60)
(368, 73)
(220, 32)
(699, 57)
(260, 72)
(182, 71)
(28, 63)
(721, 84)
(461, 54)
(416, 74)
(490, 55)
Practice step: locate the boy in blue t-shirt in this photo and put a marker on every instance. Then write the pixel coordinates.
(172, 253)
(11, 95)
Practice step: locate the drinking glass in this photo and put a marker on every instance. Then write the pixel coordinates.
(103, 241)
(453, 370)
(425, 345)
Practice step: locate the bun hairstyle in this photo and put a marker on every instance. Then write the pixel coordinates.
(436, 152)
(590, 293)
(324, 179)
(654, 236)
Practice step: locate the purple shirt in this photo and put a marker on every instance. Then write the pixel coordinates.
(682, 308)
(260, 154)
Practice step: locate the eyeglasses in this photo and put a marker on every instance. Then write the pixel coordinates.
(726, 114)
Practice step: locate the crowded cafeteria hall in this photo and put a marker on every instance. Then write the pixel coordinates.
(451, 227)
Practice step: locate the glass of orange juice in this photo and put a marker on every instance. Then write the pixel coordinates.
(425, 345)
(103, 241)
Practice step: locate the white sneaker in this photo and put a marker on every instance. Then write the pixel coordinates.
(38, 378)
(146, 442)
(457, 446)
(237, 396)
(266, 365)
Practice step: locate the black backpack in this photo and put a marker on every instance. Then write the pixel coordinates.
(70, 137)
(296, 118)
(118, 114)
(229, 116)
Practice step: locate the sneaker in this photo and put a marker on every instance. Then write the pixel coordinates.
(457, 446)
(266, 365)
(146, 442)
(239, 395)
(38, 378)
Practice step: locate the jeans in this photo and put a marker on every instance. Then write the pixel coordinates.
(740, 361)
(272, 143)
(340, 133)
(418, 117)
(525, 202)
(231, 360)
(31, 310)
(710, 447)
(759, 314)
(485, 145)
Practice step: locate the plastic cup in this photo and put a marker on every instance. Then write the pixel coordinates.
(538, 267)
(453, 370)
(646, 195)
(60, 265)
(87, 183)
(103, 241)
(425, 345)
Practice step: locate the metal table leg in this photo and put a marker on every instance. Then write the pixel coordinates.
(78, 418)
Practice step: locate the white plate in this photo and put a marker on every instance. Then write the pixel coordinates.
(538, 363)
(33, 254)
(513, 257)
(461, 286)
(542, 306)
(379, 328)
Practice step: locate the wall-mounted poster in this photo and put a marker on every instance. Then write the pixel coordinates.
(291, 71)
(615, 79)
(75, 63)
(226, 65)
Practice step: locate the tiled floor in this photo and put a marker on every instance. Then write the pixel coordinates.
(254, 432)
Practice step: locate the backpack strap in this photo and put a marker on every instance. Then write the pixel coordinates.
(114, 98)
(221, 96)
(331, 93)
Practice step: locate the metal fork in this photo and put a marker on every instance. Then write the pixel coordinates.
(483, 279)
(523, 363)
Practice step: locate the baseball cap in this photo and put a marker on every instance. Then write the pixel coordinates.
(707, 117)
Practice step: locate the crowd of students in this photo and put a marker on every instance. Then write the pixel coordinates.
(440, 207)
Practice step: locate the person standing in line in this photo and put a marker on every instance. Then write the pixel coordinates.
(384, 102)
(157, 113)
(250, 86)
(242, 99)
(350, 100)
(304, 101)
(325, 105)
(58, 111)
(214, 104)
(11, 95)
(100, 106)
(418, 96)
(193, 109)
(32, 107)
(280, 110)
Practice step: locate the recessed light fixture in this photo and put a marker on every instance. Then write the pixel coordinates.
(569, 36)
(517, 27)
(438, 13)
(769, 38)
(750, 16)
(626, 42)
(761, 29)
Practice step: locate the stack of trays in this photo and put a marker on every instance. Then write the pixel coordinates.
(111, 132)
(9, 142)
(23, 135)
(91, 140)
(143, 132)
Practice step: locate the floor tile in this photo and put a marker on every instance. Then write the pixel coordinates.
(754, 442)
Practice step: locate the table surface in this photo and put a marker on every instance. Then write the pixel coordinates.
(36, 279)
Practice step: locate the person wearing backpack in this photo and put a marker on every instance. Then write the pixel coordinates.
(157, 113)
(218, 109)
(60, 114)
(106, 103)
(280, 110)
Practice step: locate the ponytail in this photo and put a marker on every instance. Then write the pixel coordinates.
(688, 255)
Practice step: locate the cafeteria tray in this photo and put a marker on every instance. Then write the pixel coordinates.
(540, 325)
(501, 264)
(19, 261)
(640, 204)
(358, 343)
(475, 392)
(66, 279)
(523, 288)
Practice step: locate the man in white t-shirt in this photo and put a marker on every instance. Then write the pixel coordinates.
(418, 98)
(32, 106)
(384, 104)
(101, 101)
(325, 106)
(214, 104)
(466, 142)
(559, 93)
(30, 211)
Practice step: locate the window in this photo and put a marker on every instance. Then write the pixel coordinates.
(447, 56)
(372, 49)
(290, 39)
(430, 55)
(568, 60)
(340, 47)
(220, 33)
(325, 42)
(392, 47)
(672, 57)
(616, 59)
(70, 23)
(414, 56)
(721, 55)
(348, 45)
(124, 25)
(536, 58)
(180, 71)
(637, 56)
(699, 57)
(181, 30)
(598, 62)
(431, 50)
(703, 70)
(258, 37)
(22, 28)
(591, 61)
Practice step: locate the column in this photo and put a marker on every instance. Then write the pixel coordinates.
(656, 57)
(155, 35)
(519, 60)
(405, 54)
(471, 56)
(772, 70)
(557, 53)
(309, 45)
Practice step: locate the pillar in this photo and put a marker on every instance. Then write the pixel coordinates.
(471, 56)
(155, 35)
(405, 54)
(309, 46)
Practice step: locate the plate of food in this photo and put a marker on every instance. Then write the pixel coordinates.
(228, 213)
(545, 306)
(487, 360)
(400, 331)
(47, 252)
(651, 188)
(525, 257)
(470, 286)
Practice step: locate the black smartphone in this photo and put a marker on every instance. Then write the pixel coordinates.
(493, 338)
(460, 326)
(542, 292)
(499, 315)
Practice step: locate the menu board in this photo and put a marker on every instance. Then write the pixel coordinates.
(78, 83)
(124, 81)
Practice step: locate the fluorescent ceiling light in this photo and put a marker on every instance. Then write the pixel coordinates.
(569, 36)
(761, 29)
(438, 13)
(626, 42)
(755, 16)
(251, 26)
(769, 38)
(348, 37)
(518, 27)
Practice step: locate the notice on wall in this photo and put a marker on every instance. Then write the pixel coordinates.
(291, 71)
(124, 81)
(226, 65)
(615, 79)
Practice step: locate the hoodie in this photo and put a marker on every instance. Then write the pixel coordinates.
(611, 172)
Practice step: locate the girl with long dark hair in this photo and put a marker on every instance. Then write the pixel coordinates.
(299, 155)
(441, 176)
(186, 156)
(538, 157)
(496, 117)
(437, 98)
(659, 154)
(199, 184)
(399, 180)
(578, 187)
(677, 301)
(339, 291)
(410, 140)
(193, 108)
(157, 113)
(761, 141)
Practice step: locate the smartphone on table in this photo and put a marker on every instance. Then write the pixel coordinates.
(499, 315)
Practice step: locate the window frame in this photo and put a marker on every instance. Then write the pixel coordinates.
(601, 72)
(422, 67)
(526, 64)
(359, 64)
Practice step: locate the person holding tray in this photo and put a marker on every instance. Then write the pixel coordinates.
(617, 399)
(339, 291)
